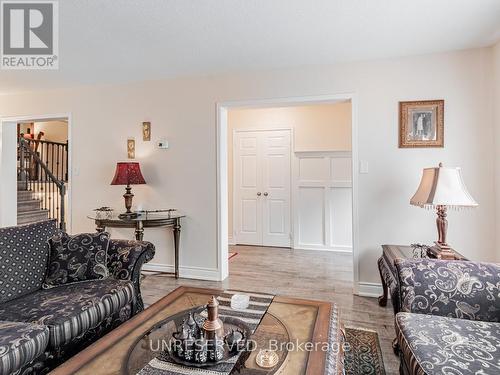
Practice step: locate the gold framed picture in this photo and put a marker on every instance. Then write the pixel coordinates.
(421, 123)
(146, 131)
(131, 148)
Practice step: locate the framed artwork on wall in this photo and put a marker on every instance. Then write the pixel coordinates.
(131, 148)
(421, 123)
(146, 131)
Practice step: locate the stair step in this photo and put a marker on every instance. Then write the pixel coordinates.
(21, 185)
(34, 216)
(24, 195)
(28, 205)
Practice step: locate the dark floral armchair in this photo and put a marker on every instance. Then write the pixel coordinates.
(457, 289)
(125, 260)
(450, 317)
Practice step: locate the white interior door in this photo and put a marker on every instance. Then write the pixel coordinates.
(276, 188)
(262, 187)
(247, 182)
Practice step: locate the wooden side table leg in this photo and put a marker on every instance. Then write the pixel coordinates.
(139, 231)
(395, 346)
(177, 235)
(99, 227)
(382, 300)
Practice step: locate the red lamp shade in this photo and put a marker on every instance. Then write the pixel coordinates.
(128, 173)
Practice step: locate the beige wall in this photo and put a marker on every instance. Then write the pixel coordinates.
(184, 176)
(322, 127)
(55, 131)
(496, 114)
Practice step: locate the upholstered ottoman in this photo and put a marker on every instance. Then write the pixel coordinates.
(20, 343)
(431, 344)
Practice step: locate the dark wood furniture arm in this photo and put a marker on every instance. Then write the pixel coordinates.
(125, 260)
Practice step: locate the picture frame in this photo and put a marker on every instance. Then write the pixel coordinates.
(146, 131)
(421, 124)
(131, 148)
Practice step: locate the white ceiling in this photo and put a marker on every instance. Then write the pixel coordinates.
(110, 41)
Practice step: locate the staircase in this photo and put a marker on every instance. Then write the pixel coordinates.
(42, 177)
(29, 209)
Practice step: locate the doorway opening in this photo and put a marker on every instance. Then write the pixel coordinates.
(36, 157)
(287, 175)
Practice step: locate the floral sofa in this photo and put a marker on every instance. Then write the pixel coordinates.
(450, 317)
(41, 328)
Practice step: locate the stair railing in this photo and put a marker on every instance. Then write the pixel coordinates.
(53, 154)
(42, 182)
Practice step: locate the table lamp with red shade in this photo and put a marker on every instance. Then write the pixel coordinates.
(128, 173)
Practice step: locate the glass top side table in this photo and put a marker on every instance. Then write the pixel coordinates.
(172, 221)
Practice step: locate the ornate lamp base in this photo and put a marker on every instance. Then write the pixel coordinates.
(128, 205)
(441, 251)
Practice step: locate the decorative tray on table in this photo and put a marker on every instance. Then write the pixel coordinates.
(204, 341)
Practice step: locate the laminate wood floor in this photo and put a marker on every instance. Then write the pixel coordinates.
(316, 275)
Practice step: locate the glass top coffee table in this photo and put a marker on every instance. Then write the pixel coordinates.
(128, 348)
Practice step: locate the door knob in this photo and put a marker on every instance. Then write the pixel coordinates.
(266, 194)
(259, 194)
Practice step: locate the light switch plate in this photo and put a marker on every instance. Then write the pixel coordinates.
(363, 166)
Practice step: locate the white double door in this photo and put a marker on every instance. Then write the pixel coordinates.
(262, 169)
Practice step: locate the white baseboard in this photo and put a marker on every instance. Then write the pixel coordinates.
(230, 241)
(210, 274)
(369, 289)
(186, 272)
(157, 267)
(335, 249)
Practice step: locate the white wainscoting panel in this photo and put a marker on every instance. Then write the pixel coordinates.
(311, 215)
(322, 192)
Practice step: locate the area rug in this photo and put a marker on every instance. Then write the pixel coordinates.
(364, 356)
(231, 255)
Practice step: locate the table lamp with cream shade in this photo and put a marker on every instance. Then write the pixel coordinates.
(442, 188)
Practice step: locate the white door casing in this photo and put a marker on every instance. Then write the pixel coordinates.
(222, 171)
(262, 171)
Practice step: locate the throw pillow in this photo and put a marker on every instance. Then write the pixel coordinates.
(77, 258)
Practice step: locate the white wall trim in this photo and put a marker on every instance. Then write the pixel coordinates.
(231, 241)
(198, 273)
(221, 144)
(338, 154)
(369, 289)
(222, 201)
(37, 118)
(333, 249)
(8, 173)
(355, 190)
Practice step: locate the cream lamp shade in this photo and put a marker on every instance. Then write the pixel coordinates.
(442, 186)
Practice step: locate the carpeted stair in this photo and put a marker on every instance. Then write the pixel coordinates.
(28, 208)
